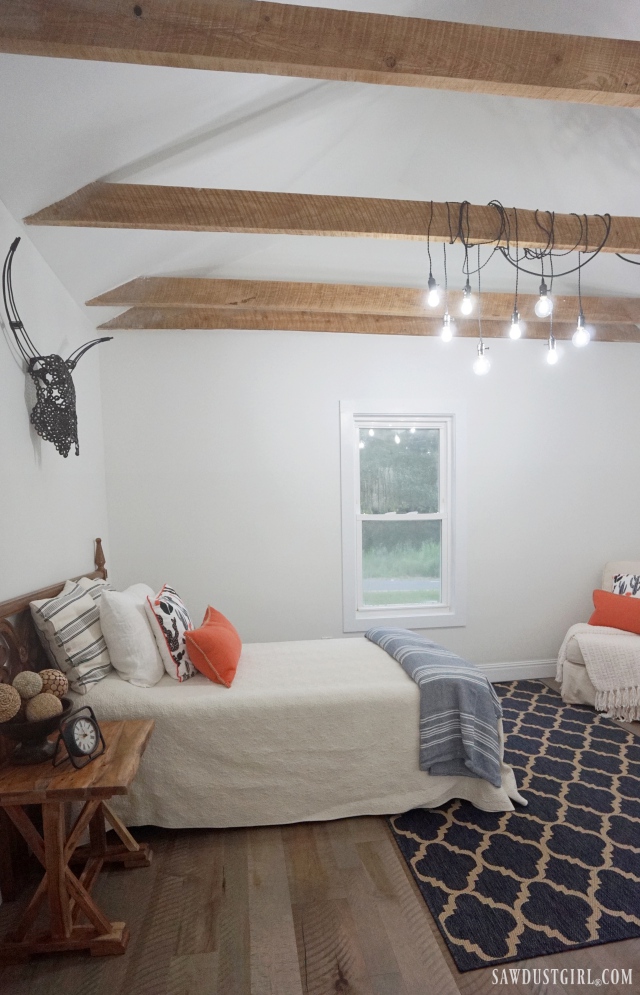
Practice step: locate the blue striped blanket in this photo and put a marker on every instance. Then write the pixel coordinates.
(459, 708)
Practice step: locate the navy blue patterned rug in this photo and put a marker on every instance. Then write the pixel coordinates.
(560, 874)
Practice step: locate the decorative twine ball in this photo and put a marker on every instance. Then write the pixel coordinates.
(43, 706)
(10, 702)
(28, 684)
(55, 682)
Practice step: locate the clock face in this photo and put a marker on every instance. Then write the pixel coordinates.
(85, 736)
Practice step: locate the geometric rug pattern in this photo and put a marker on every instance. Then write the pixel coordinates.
(562, 873)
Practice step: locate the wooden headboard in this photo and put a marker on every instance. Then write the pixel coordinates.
(20, 647)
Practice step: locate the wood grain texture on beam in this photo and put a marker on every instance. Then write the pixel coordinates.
(198, 292)
(318, 43)
(148, 206)
(180, 319)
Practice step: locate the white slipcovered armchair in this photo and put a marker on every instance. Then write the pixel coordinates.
(600, 666)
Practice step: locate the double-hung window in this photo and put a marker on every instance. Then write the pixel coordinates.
(401, 521)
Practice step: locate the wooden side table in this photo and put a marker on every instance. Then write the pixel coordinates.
(69, 895)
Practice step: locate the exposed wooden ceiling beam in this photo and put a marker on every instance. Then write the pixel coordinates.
(310, 321)
(174, 292)
(147, 206)
(288, 40)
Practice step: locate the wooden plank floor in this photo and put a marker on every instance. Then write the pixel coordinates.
(309, 909)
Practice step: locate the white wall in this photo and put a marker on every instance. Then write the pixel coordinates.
(51, 508)
(223, 469)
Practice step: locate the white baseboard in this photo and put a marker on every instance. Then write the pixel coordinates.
(520, 670)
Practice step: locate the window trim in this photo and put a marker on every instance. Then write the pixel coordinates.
(451, 611)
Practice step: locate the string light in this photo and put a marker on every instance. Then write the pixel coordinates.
(446, 333)
(500, 240)
(481, 364)
(581, 337)
(467, 301)
(552, 352)
(515, 329)
(544, 305)
(433, 295)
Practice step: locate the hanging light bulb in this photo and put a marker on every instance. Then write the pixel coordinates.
(361, 444)
(433, 297)
(516, 328)
(552, 352)
(371, 432)
(447, 328)
(467, 302)
(396, 439)
(581, 336)
(482, 364)
(544, 306)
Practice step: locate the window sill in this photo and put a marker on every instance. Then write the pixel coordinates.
(404, 619)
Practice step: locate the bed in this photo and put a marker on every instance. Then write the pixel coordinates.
(312, 730)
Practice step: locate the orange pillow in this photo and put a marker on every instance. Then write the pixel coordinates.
(214, 648)
(619, 611)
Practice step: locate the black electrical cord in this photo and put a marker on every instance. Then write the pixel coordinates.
(546, 222)
(515, 219)
(446, 281)
(479, 299)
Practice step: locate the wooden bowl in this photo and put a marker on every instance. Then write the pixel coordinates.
(34, 746)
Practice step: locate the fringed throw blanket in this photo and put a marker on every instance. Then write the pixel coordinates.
(612, 659)
(459, 709)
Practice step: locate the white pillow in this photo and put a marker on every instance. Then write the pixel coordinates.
(132, 647)
(69, 626)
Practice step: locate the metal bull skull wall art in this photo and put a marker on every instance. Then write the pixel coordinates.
(54, 414)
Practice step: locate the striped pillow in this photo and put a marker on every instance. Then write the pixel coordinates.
(69, 627)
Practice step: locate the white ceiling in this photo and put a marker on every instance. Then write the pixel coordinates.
(65, 123)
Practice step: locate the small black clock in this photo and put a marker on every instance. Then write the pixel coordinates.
(82, 737)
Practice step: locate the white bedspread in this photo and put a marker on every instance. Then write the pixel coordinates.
(314, 730)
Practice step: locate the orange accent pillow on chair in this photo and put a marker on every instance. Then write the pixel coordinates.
(214, 648)
(618, 611)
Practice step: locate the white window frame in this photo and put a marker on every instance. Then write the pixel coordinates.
(449, 419)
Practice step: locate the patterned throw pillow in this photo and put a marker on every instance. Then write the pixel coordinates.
(69, 627)
(628, 584)
(170, 621)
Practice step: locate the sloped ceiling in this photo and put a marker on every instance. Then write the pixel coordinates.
(65, 123)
